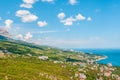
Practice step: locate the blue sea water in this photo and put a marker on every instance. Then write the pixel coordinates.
(112, 54)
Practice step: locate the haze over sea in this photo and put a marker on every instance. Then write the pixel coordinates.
(112, 54)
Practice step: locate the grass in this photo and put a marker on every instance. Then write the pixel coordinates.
(30, 68)
(20, 66)
(23, 48)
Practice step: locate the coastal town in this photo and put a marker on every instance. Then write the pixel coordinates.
(78, 70)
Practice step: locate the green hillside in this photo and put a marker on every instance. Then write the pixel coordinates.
(31, 69)
(23, 48)
(27, 61)
(14, 67)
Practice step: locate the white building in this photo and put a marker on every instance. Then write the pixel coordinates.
(43, 57)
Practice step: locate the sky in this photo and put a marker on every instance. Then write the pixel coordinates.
(63, 23)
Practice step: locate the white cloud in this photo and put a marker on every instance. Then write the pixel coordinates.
(26, 16)
(19, 36)
(69, 21)
(61, 15)
(24, 38)
(28, 3)
(42, 23)
(79, 17)
(28, 36)
(89, 19)
(22, 13)
(29, 18)
(49, 1)
(8, 23)
(72, 2)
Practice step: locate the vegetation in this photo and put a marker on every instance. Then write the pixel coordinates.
(30, 69)
(26, 61)
(17, 67)
(23, 48)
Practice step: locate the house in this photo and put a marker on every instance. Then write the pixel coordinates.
(43, 57)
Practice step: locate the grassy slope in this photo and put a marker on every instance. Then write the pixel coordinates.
(21, 67)
(30, 69)
(23, 48)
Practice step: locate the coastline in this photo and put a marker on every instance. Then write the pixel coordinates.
(102, 58)
(107, 55)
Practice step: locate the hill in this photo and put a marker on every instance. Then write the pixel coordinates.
(20, 60)
(21, 67)
(24, 48)
(9, 45)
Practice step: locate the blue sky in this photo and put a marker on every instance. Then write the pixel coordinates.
(63, 23)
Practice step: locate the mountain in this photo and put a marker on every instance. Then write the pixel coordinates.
(9, 45)
(20, 60)
(4, 34)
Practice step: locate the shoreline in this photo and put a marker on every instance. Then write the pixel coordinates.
(103, 58)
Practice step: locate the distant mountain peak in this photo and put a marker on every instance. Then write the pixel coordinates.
(4, 34)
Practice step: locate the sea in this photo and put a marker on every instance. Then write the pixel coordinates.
(113, 55)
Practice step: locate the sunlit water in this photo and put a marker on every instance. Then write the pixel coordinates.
(112, 54)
